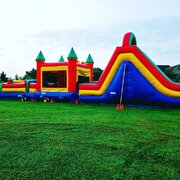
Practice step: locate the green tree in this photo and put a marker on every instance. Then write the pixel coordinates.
(173, 73)
(30, 74)
(3, 77)
(17, 77)
(97, 73)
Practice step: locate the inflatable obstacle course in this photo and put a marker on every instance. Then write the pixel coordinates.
(129, 78)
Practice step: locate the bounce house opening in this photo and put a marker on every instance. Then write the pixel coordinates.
(83, 79)
(54, 79)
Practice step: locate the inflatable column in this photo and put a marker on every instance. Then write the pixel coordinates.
(90, 62)
(39, 62)
(72, 71)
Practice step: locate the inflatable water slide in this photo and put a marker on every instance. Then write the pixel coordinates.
(131, 78)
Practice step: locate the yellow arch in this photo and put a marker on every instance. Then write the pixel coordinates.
(145, 72)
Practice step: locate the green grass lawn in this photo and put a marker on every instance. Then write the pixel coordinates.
(67, 141)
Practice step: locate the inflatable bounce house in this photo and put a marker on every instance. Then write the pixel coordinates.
(130, 78)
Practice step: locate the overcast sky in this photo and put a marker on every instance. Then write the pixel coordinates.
(90, 26)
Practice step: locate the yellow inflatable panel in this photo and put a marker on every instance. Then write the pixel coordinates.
(13, 90)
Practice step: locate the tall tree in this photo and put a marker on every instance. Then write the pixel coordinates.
(30, 74)
(97, 73)
(17, 77)
(3, 77)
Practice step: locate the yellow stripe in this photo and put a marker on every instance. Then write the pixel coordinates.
(54, 68)
(145, 72)
(18, 81)
(13, 90)
(54, 89)
(32, 90)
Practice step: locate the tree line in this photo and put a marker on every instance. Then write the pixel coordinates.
(28, 75)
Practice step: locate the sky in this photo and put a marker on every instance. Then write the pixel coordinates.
(90, 26)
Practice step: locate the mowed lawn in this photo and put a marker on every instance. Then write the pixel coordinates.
(67, 141)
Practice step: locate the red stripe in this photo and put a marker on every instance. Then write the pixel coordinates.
(55, 64)
(83, 65)
(33, 85)
(20, 85)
